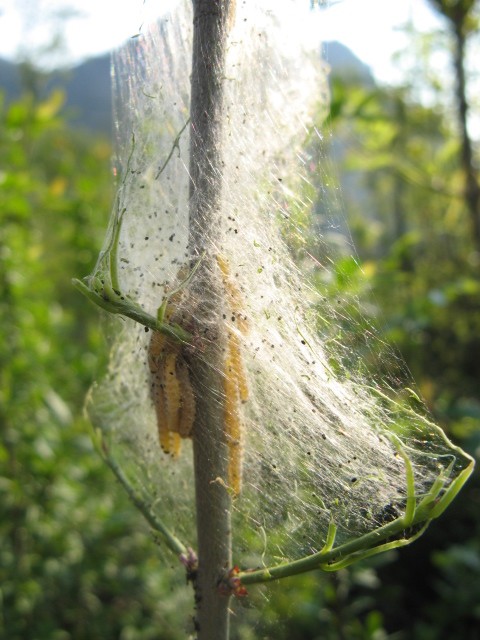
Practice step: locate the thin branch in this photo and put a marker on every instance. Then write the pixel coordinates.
(172, 542)
(333, 558)
(103, 295)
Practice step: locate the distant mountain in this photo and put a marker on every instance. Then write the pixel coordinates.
(89, 94)
(344, 64)
(10, 83)
(88, 85)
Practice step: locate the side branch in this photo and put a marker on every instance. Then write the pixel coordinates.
(404, 530)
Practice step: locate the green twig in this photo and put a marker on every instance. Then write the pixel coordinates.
(112, 254)
(332, 559)
(410, 481)
(103, 295)
(172, 542)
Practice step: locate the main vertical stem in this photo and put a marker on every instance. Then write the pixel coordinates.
(213, 503)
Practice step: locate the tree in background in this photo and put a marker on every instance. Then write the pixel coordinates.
(462, 19)
(412, 225)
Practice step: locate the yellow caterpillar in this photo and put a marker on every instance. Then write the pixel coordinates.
(171, 390)
(172, 393)
(235, 381)
(234, 296)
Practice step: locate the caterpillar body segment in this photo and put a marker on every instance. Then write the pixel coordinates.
(158, 397)
(175, 445)
(235, 381)
(233, 422)
(173, 393)
(171, 390)
(236, 366)
(187, 409)
(233, 295)
(233, 429)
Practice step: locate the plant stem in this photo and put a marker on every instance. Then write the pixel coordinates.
(173, 543)
(115, 303)
(213, 502)
(330, 558)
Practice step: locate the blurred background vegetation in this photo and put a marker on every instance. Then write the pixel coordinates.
(76, 561)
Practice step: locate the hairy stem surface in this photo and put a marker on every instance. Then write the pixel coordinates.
(213, 503)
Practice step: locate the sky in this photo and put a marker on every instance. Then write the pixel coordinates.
(370, 28)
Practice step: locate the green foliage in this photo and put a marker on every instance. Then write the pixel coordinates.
(416, 279)
(461, 13)
(315, 606)
(417, 260)
(73, 561)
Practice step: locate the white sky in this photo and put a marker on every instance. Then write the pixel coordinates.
(368, 27)
(372, 29)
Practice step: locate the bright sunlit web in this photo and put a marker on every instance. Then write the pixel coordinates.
(330, 432)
